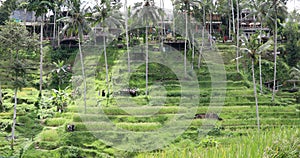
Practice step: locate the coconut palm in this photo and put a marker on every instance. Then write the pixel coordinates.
(186, 6)
(233, 19)
(276, 10)
(76, 23)
(252, 48)
(41, 8)
(108, 17)
(127, 36)
(147, 14)
(258, 9)
(295, 73)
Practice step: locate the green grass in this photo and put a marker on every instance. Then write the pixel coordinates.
(254, 144)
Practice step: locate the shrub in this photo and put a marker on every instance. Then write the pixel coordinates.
(55, 121)
(287, 146)
(297, 96)
(209, 142)
(49, 135)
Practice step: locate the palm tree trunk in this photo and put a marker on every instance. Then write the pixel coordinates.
(260, 73)
(106, 66)
(202, 42)
(83, 70)
(127, 36)
(233, 21)
(58, 37)
(14, 120)
(255, 94)
(275, 55)
(147, 58)
(229, 30)
(237, 36)
(25, 17)
(54, 25)
(41, 55)
(193, 52)
(185, 41)
(1, 102)
(210, 27)
(174, 29)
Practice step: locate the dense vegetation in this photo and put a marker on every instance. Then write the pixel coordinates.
(48, 106)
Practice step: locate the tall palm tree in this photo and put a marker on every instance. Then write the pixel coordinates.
(277, 8)
(108, 17)
(233, 19)
(295, 73)
(259, 9)
(237, 33)
(252, 48)
(147, 14)
(41, 8)
(127, 36)
(186, 7)
(76, 23)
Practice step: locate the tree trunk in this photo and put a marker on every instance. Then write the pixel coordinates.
(185, 42)
(25, 17)
(54, 25)
(83, 70)
(193, 51)
(147, 56)
(237, 36)
(14, 120)
(260, 73)
(41, 55)
(210, 28)
(106, 66)
(202, 42)
(127, 37)
(255, 95)
(174, 29)
(275, 55)
(233, 21)
(1, 102)
(58, 37)
(163, 17)
(229, 30)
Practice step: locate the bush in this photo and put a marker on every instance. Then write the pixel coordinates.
(297, 96)
(47, 145)
(287, 146)
(49, 135)
(55, 121)
(209, 142)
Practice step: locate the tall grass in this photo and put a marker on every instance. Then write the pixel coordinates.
(253, 144)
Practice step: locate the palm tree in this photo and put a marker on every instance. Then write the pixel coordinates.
(107, 16)
(76, 23)
(295, 73)
(237, 34)
(252, 48)
(204, 6)
(233, 19)
(277, 9)
(186, 7)
(147, 14)
(41, 8)
(259, 8)
(127, 36)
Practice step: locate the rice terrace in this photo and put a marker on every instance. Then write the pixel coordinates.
(149, 79)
